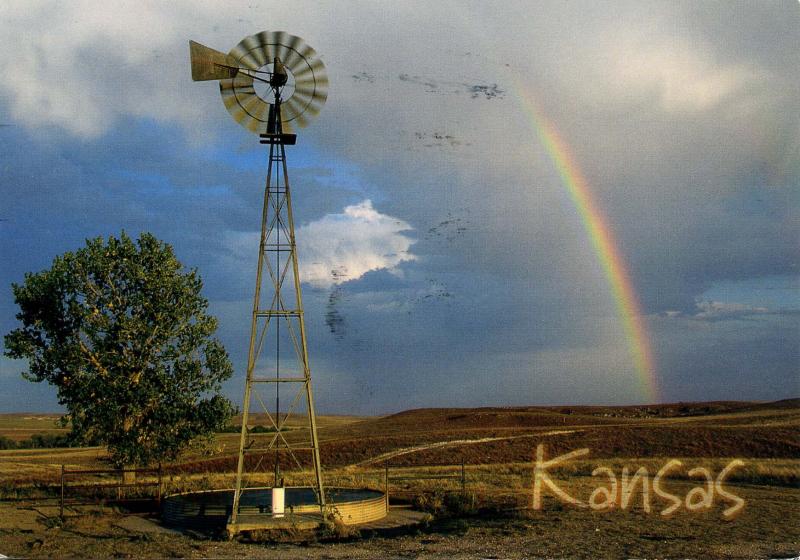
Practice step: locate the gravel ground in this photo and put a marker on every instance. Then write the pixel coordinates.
(769, 526)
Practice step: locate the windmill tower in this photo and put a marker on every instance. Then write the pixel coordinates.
(270, 83)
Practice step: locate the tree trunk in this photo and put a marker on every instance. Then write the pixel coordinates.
(128, 477)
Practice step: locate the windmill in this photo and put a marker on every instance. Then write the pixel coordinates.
(272, 83)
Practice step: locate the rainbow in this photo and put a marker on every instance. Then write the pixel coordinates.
(603, 243)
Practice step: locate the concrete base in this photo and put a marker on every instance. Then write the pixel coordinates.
(305, 522)
(212, 510)
(397, 519)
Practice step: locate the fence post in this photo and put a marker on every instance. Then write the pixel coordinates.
(463, 478)
(61, 508)
(159, 485)
(386, 484)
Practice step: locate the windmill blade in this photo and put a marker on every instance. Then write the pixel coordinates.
(301, 120)
(322, 82)
(308, 99)
(256, 126)
(279, 40)
(267, 46)
(307, 81)
(244, 107)
(311, 69)
(292, 108)
(298, 119)
(297, 54)
(306, 52)
(251, 50)
(302, 96)
(315, 107)
(241, 83)
(311, 110)
(251, 105)
(315, 96)
(264, 38)
(321, 92)
(236, 110)
(293, 58)
(316, 82)
(310, 92)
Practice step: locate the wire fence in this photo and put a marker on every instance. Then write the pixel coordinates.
(95, 484)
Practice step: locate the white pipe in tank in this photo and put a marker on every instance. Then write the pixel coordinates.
(278, 495)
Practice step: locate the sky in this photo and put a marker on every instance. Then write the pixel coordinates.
(501, 203)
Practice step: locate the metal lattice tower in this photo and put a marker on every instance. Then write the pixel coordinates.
(292, 88)
(281, 305)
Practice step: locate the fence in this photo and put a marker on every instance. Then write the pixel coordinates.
(120, 474)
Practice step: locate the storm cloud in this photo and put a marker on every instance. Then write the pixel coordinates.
(424, 175)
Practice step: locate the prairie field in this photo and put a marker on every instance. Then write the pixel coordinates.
(492, 514)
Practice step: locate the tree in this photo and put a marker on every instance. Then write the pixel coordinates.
(122, 332)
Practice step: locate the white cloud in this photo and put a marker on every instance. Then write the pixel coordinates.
(710, 310)
(82, 66)
(337, 247)
(682, 78)
(341, 247)
(716, 310)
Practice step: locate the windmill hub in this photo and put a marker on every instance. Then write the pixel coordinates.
(279, 76)
(281, 80)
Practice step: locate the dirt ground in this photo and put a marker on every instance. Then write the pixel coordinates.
(768, 527)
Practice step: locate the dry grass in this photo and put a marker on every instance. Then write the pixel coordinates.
(19, 427)
(499, 474)
(763, 434)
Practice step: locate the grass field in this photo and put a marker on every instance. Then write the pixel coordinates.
(497, 447)
(18, 427)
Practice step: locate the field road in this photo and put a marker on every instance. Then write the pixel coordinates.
(438, 444)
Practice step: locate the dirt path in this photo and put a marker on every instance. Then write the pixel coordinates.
(438, 444)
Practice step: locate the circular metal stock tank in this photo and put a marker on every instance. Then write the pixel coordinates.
(210, 509)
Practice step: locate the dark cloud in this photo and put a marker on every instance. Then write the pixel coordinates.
(736, 357)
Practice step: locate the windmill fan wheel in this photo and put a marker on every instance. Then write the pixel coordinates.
(248, 96)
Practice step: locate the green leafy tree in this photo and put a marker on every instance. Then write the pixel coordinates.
(121, 330)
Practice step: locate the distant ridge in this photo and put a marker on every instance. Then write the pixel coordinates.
(665, 410)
